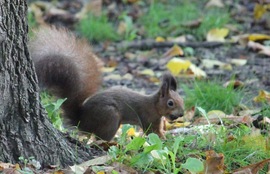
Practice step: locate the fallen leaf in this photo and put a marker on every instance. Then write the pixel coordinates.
(210, 64)
(93, 7)
(258, 37)
(214, 162)
(159, 39)
(257, 46)
(234, 83)
(246, 119)
(147, 72)
(193, 24)
(217, 34)
(238, 62)
(37, 8)
(216, 114)
(259, 11)
(177, 65)
(214, 3)
(253, 168)
(123, 169)
(174, 51)
(122, 27)
(107, 69)
(197, 72)
(173, 125)
(112, 77)
(263, 96)
(96, 161)
(177, 39)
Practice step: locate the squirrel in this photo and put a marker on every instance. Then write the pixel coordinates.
(67, 67)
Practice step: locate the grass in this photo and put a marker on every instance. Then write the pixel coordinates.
(210, 95)
(167, 19)
(97, 28)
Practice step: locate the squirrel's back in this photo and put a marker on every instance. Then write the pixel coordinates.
(65, 66)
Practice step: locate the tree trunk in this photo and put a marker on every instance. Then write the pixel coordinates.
(24, 127)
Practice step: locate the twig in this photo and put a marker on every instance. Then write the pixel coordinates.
(147, 44)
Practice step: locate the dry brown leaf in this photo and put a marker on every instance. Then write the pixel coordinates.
(234, 83)
(37, 8)
(93, 7)
(257, 46)
(193, 24)
(236, 119)
(253, 168)
(263, 96)
(123, 168)
(174, 51)
(214, 162)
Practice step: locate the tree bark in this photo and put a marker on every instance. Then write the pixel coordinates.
(24, 127)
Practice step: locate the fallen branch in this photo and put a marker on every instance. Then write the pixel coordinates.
(147, 44)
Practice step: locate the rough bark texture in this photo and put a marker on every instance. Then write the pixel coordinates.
(24, 128)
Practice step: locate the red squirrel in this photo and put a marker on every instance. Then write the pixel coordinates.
(67, 68)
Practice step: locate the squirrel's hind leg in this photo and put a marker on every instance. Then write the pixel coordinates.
(103, 122)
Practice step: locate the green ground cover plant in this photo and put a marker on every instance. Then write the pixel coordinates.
(176, 154)
(52, 107)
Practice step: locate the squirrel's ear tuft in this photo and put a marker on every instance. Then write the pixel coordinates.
(170, 80)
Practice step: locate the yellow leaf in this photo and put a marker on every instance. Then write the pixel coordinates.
(108, 69)
(197, 71)
(256, 37)
(177, 65)
(174, 51)
(100, 172)
(217, 34)
(259, 11)
(170, 126)
(131, 132)
(17, 166)
(147, 72)
(160, 39)
(262, 97)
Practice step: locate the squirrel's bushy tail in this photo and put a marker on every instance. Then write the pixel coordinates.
(66, 67)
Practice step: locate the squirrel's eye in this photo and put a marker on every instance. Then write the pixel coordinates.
(170, 103)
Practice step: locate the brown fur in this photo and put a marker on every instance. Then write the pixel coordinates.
(66, 66)
(103, 113)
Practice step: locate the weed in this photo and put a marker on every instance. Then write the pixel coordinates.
(28, 162)
(52, 107)
(31, 22)
(212, 96)
(97, 28)
(130, 30)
